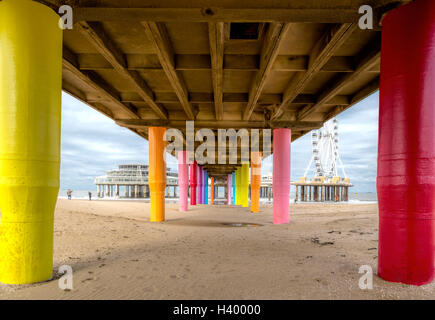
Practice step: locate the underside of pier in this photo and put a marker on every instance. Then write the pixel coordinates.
(224, 64)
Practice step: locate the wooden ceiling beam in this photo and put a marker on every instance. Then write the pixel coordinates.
(226, 124)
(287, 13)
(367, 59)
(96, 35)
(216, 39)
(159, 37)
(207, 97)
(94, 81)
(201, 62)
(324, 49)
(367, 90)
(274, 36)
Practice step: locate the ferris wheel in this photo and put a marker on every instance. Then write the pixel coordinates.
(325, 154)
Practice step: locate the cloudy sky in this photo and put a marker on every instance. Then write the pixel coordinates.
(93, 143)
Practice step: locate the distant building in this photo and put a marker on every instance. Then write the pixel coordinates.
(131, 181)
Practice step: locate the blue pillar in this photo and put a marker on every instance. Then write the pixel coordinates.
(234, 187)
(205, 187)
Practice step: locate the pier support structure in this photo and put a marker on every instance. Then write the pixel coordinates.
(244, 185)
(211, 190)
(238, 183)
(281, 175)
(200, 179)
(157, 172)
(30, 120)
(229, 185)
(255, 180)
(183, 180)
(193, 182)
(205, 194)
(233, 189)
(406, 151)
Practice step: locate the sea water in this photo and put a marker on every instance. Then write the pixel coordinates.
(354, 197)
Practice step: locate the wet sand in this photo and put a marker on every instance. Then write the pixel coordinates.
(116, 253)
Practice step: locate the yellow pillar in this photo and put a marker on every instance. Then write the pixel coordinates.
(255, 180)
(30, 114)
(157, 172)
(244, 182)
(238, 191)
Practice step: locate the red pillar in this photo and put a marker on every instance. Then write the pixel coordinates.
(281, 175)
(406, 151)
(193, 169)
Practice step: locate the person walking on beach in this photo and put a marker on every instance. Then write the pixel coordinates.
(69, 193)
(90, 195)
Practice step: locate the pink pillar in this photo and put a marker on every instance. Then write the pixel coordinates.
(229, 184)
(281, 175)
(406, 149)
(183, 180)
(193, 178)
(200, 179)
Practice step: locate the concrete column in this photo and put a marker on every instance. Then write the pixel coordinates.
(244, 185)
(183, 180)
(255, 180)
(229, 184)
(157, 172)
(238, 182)
(193, 182)
(30, 120)
(205, 194)
(200, 185)
(406, 152)
(211, 190)
(117, 190)
(98, 190)
(281, 175)
(233, 182)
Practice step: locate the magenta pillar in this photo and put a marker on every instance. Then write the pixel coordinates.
(193, 182)
(183, 180)
(229, 184)
(406, 149)
(200, 179)
(281, 175)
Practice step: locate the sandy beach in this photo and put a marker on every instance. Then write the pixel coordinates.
(116, 253)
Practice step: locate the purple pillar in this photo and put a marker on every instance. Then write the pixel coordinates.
(200, 181)
(229, 184)
(281, 175)
(183, 180)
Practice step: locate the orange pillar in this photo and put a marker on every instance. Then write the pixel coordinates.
(255, 180)
(157, 172)
(211, 190)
